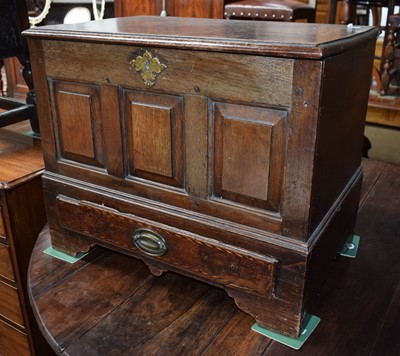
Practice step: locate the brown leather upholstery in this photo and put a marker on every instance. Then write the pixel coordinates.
(270, 10)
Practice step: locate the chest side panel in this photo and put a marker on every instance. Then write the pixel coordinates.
(341, 129)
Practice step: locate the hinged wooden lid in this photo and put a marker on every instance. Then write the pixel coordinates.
(281, 39)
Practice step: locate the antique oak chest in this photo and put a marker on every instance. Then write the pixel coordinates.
(228, 151)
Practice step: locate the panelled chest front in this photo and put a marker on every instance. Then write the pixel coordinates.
(228, 151)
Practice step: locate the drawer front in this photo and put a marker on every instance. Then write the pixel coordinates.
(12, 341)
(2, 225)
(9, 304)
(6, 269)
(170, 247)
(248, 78)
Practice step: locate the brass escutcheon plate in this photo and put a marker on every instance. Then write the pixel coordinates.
(148, 67)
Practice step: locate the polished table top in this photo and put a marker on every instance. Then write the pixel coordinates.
(110, 304)
(271, 38)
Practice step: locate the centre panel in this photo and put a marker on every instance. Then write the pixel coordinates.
(153, 142)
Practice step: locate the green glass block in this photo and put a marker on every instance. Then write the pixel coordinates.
(32, 134)
(63, 256)
(310, 323)
(350, 247)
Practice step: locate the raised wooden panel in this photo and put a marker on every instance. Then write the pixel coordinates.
(137, 8)
(255, 138)
(13, 341)
(196, 8)
(184, 8)
(75, 124)
(248, 148)
(16, 85)
(79, 122)
(154, 142)
(6, 269)
(9, 304)
(151, 139)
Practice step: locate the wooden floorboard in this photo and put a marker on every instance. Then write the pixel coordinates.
(48, 271)
(238, 339)
(87, 287)
(388, 342)
(355, 301)
(372, 170)
(183, 315)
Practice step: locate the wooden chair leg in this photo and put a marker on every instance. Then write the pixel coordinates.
(30, 97)
(366, 147)
(376, 15)
(389, 44)
(386, 61)
(2, 93)
(332, 11)
(376, 78)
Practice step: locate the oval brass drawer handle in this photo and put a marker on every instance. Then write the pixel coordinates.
(150, 242)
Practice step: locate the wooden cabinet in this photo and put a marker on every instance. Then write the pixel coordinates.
(22, 216)
(16, 86)
(228, 151)
(322, 15)
(182, 8)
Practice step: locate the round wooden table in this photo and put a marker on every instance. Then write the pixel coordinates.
(110, 304)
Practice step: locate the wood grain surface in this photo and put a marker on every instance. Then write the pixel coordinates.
(269, 38)
(262, 222)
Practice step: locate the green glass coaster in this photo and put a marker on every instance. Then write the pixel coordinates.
(63, 256)
(310, 323)
(350, 247)
(32, 134)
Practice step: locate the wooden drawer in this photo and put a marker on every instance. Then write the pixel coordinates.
(161, 245)
(13, 341)
(9, 304)
(6, 269)
(2, 225)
